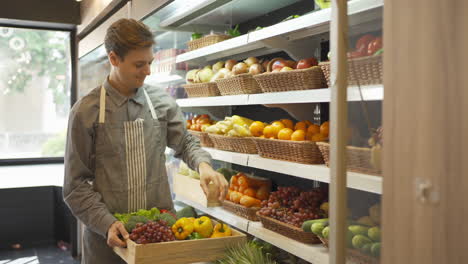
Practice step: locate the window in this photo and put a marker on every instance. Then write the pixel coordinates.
(35, 81)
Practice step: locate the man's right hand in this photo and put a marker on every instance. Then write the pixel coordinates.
(116, 229)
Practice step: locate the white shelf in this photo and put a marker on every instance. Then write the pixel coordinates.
(316, 254)
(232, 157)
(319, 173)
(281, 35)
(369, 93)
(218, 212)
(241, 99)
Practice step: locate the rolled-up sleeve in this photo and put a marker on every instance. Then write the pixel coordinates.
(186, 146)
(85, 203)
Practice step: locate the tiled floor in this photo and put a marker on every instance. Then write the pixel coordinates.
(46, 254)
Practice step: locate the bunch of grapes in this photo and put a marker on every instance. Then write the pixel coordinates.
(293, 206)
(152, 232)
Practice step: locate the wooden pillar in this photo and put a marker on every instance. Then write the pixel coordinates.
(425, 206)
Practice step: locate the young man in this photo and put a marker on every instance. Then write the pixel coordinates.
(117, 135)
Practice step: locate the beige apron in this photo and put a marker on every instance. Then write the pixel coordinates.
(130, 171)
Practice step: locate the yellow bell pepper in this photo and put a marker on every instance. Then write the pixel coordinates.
(203, 226)
(221, 230)
(182, 228)
(191, 219)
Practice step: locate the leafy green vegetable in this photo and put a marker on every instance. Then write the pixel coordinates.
(234, 32)
(152, 214)
(196, 35)
(245, 254)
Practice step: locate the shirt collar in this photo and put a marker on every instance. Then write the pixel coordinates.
(120, 99)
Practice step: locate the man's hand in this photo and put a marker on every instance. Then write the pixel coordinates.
(116, 229)
(207, 175)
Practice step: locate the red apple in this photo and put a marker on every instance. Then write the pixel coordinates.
(307, 63)
(279, 64)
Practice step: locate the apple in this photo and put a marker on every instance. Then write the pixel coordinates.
(229, 64)
(307, 63)
(279, 64)
(291, 64)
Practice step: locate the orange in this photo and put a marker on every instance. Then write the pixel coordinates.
(325, 128)
(277, 125)
(250, 192)
(256, 128)
(262, 136)
(285, 134)
(269, 132)
(298, 135)
(300, 126)
(287, 123)
(314, 129)
(319, 137)
(309, 135)
(307, 122)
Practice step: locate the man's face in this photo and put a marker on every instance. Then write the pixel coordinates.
(134, 67)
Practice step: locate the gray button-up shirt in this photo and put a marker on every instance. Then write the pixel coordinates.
(85, 203)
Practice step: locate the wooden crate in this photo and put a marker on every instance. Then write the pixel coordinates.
(189, 188)
(179, 252)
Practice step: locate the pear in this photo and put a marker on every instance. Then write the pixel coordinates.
(359, 241)
(326, 232)
(366, 249)
(375, 249)
(217, 66)
(374, 233)
(317, 228)
(358, 229)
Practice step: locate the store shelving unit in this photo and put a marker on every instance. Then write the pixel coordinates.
(369, 93)
(319, 173)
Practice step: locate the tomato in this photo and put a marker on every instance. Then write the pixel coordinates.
(363, 43)
(374, 46)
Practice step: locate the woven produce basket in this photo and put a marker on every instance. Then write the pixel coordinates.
(202, 89)
(355, 256)
(240, 210)
(294, 80)
(368, 70)
(205, 140)
(206, 41)
(358, 159)
(287, 230)
(234, 144)
(305, 152)
(238, 84)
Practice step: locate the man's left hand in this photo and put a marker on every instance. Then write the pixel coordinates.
(207, 175)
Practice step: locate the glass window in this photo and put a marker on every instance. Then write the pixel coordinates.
(35, 81)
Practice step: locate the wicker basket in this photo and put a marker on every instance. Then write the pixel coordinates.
(287, 230)
(202, 89)
(239, 84)
(355, 256)
(234, 144)
(206, 41)
(240, 210)
(368, 70)
(358, 159)
(305, 152)
(205, 140)
(295, 80)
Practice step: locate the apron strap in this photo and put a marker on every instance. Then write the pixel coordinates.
(102, 105)
(150, 104)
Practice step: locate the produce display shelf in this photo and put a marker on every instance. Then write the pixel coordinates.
(369, 93)
(231, 157)
(319, 173)
(218, 212)
(305, 26)
(316, 254)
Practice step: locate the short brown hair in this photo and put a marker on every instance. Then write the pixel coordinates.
(127, 34)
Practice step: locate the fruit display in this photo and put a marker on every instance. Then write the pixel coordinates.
(234, 126)
(367, 45)
(292, 206)
(282, 65)
(199, 123)
(285, 129)
(248, 190)
(363, 234)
